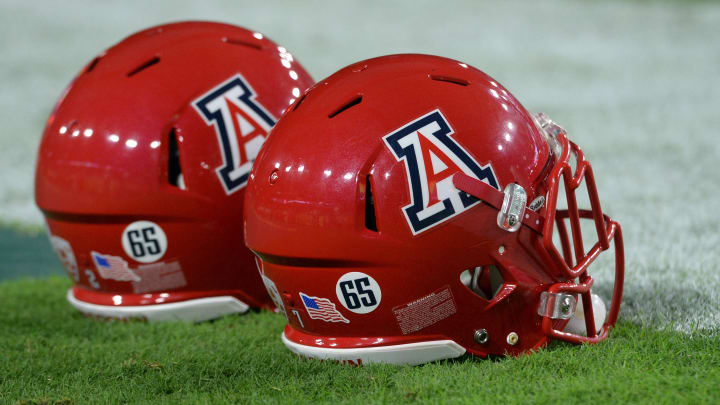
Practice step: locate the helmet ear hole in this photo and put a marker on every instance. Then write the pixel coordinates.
(485, 281)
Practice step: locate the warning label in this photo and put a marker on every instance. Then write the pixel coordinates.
(425, 311)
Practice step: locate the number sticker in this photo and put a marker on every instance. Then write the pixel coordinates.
(92, 280)
(144, 241)
(358, 292)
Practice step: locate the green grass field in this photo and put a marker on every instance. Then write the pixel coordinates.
(52, 354)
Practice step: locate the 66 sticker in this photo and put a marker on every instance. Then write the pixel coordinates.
(358, 292)
(144, 241)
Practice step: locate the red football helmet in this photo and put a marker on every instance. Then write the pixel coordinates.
(404, 211)
(143, 164)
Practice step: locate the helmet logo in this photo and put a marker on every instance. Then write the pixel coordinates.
(241, 125)
(431, 158)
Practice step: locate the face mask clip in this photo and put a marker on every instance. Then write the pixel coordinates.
(557, 305)
(512, 211)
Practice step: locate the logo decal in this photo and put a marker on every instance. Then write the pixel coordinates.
(322, 308)
(241, 125)
(358, 292)
(113, 267)
(431, 158)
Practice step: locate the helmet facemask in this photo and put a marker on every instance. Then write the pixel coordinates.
(565, 256)
(571, 170)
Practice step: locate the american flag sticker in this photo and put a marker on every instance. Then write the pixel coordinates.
(113, 267)
(322, 308)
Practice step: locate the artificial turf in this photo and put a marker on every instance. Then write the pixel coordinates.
(49, 353)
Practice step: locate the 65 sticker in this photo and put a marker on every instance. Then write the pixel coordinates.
(358, 292)
(144, 241)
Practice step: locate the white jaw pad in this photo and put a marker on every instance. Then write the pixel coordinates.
(197, 310)
(409, 354)
(577, 322)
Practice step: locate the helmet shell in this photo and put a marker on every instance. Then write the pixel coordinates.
(308, 204)
(127, 142)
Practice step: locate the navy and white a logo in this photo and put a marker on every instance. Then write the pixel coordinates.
(431, 158)
(241, 125)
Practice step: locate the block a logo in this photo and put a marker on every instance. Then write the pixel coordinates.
(431, 157)
(241, 125)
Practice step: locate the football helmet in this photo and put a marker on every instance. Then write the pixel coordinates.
(143, 164)
(409, 209)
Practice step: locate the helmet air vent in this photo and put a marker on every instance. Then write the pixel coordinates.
(448, 79)
(240, 42)
(370, 219)
(300, 100)
(144, 66)
(92, 64)
(175, 175)
(352, 103)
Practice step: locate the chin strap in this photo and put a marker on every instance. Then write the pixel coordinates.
(491, 196)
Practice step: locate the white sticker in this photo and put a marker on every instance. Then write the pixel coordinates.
(65, 253)
(425, 311)
(144, 241)
(274, 294)
(358, 292)
(271, 288)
